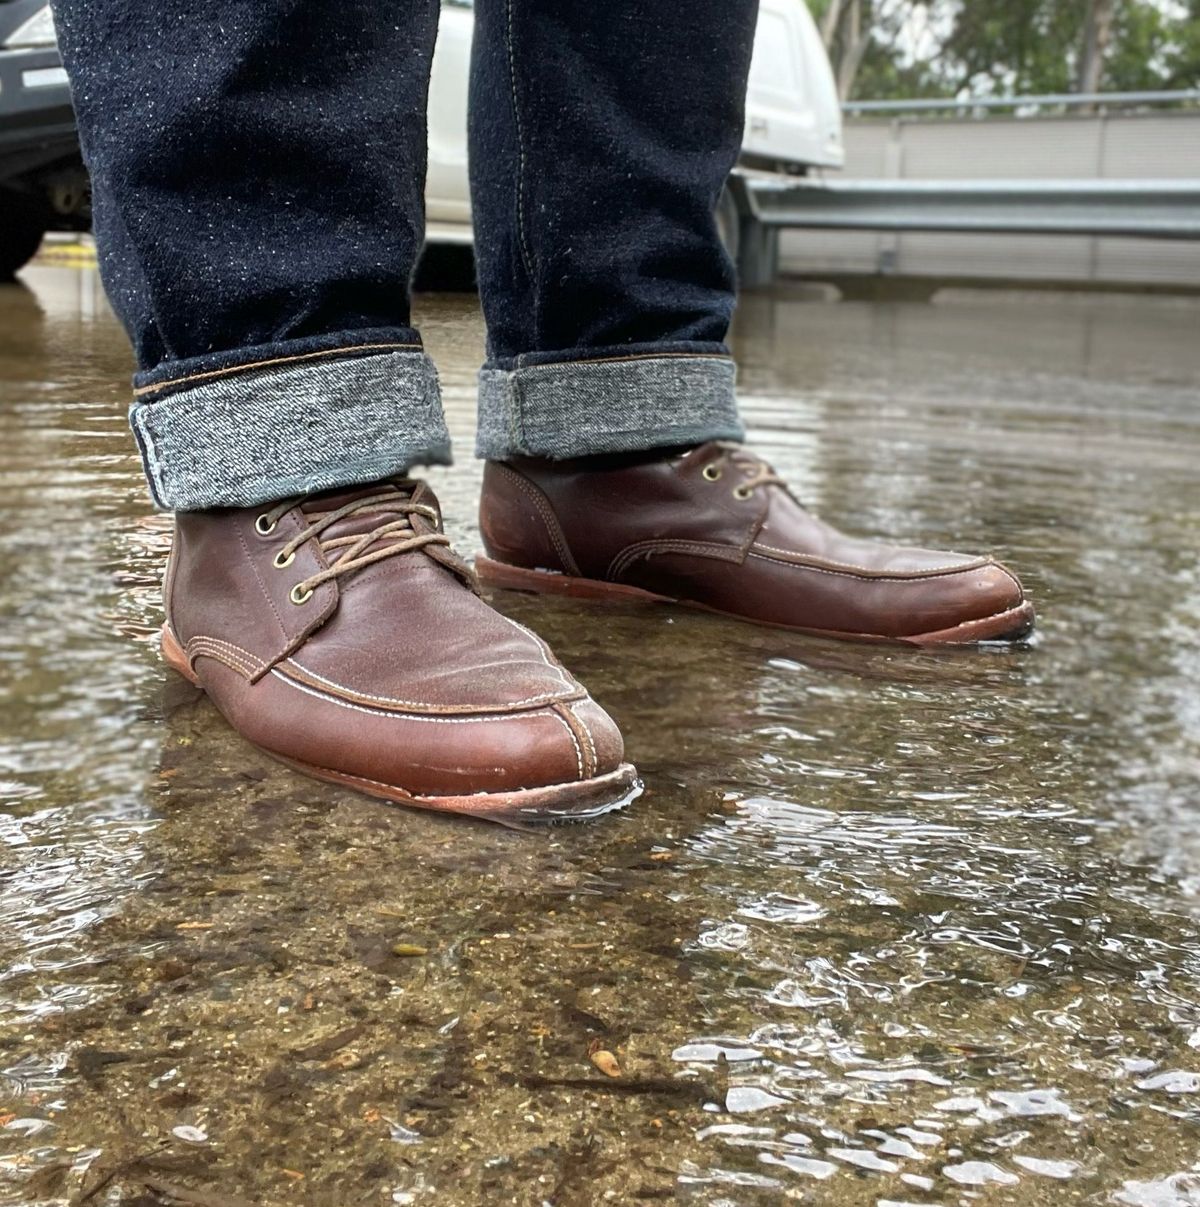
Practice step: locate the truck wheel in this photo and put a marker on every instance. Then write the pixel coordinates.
(729, 223)
(22, 226)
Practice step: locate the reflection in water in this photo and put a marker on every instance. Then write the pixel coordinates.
(888, 926)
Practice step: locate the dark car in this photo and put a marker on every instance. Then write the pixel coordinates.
(43, 185)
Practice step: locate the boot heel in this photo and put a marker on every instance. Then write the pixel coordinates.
(175, 658)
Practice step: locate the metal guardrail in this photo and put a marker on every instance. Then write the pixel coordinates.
(1067, 100)
(1151, 209)
(1146, 209)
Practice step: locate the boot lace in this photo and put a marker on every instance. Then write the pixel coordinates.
(346, 554)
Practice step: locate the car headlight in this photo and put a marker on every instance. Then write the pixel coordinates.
(37, 31)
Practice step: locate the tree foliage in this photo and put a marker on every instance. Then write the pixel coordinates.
(913, 48)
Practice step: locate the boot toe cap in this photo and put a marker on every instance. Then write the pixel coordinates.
(547, 750)
(978, 603)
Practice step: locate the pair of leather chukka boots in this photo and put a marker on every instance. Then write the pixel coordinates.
(341, 634)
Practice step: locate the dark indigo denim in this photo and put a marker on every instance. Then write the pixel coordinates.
(257, 165)
(258, 171)
(620, 121)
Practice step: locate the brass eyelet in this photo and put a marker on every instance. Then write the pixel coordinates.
(743, 493)
(281, 562)
(712, 473)
(299, 597)
(264, 526)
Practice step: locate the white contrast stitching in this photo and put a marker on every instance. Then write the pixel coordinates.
(245, 654)
(842, 574)
(547, 696)
(402, 716)
(574, 741)
(224, 660)
(231, 655)
(970, 563)
(587, 733)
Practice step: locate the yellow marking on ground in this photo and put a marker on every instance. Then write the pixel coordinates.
(69, 255)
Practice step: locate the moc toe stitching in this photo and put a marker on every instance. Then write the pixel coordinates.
(351, 693)
(574, 742)
(798, 557)
(587, 737)
(877, 576)
(526, 761)
(475, 719)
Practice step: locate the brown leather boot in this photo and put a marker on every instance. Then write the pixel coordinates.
(715, 528)
(340, 634)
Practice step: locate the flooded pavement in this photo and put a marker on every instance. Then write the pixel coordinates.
(888, 927)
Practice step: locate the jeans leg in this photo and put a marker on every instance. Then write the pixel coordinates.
(258, 181)
(601, 137)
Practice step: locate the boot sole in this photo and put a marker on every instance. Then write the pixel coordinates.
(1011, 625)
(576, 801)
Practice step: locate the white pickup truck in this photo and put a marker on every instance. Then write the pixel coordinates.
(793, 116)
(793, 123)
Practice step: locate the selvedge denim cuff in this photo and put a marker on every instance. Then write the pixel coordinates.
(605, 404)
(300, 420)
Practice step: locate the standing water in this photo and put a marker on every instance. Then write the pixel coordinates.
(888, 926)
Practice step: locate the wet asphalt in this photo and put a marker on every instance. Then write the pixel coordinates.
(888, 926)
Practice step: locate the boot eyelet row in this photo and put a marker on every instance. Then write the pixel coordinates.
(712, 473)
(281, 562)
(742, 493)
(264, 526)
(299, 597)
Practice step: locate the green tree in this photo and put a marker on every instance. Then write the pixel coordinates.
(1151, 49)
(1006, 47)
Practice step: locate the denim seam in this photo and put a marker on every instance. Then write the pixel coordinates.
(557, 366)
(516, 401)
(522, 235)
(150, 462)
(524, 364)
(250, 366)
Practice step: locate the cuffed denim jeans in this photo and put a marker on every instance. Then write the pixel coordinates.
(258, 175)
